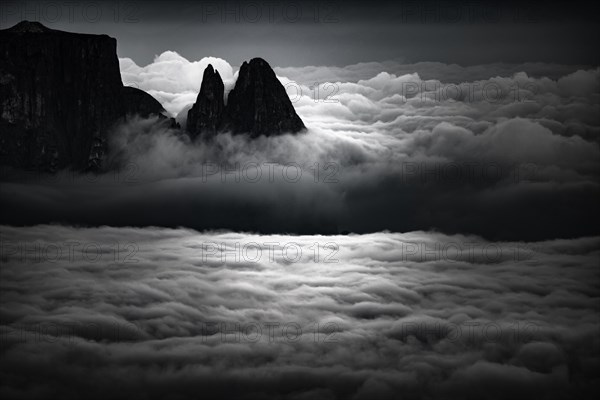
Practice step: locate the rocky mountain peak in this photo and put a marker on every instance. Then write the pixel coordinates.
(205, 116)
(257, 105)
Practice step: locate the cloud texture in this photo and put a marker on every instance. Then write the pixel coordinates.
(173, 313)
(171, 79)
(510, 152)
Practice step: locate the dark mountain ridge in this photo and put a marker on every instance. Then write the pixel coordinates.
(60, 94)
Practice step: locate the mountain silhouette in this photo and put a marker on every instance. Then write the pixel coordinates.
(61, 93)
(257, 105)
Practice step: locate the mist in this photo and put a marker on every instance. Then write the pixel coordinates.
(155, 312)
(393, 151)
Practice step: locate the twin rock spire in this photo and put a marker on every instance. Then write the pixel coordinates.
(257, 105)
(61, 94)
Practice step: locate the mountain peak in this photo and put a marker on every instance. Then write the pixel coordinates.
(259, 62)
(29, 27)
(257, 105)
(206, 114)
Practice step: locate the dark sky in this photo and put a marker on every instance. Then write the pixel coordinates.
(294, 33)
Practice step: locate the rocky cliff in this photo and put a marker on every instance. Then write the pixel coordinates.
(60, 93)
(257, 105)
(205, 116)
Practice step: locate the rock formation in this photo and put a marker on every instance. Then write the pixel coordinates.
(206, 114)
(60, 93)
(138, 102)
(257, 105)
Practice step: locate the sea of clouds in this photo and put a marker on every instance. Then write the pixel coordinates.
(176, 314)
(507, 151)
(217, 269)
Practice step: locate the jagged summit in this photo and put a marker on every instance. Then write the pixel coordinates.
(257, 105)
(206, 114)
(210, 70)
(28, 27)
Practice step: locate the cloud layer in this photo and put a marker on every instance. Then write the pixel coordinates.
(162, 313)
(172, 79)
(473, 272)
(510, 152)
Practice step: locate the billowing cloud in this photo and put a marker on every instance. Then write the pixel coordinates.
(155, 313)
(510, 153)
(172, 79)
(471, 272)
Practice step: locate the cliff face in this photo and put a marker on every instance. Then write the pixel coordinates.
(206, 114)
(257, 105)
(60, 93)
